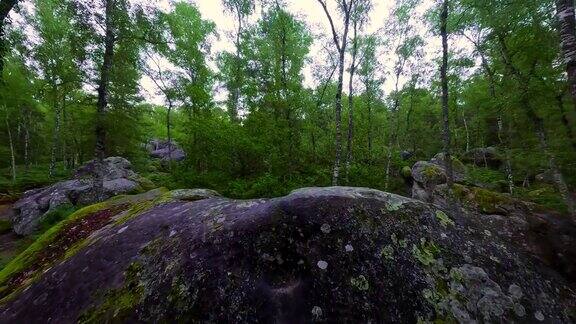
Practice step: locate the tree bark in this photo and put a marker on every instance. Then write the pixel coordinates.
(12, 153)
(27, 139)
(5, 7)
(102, 103)
(446, 136)
(565, 122)
(351, 102)
(56, 134)
(565, 14)
(341, 46)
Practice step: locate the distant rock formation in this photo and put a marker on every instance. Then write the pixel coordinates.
(428, 175)
(165, 151)
(35, 204)
(317, 255)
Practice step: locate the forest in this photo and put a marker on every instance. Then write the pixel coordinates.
(287, 161)
(72, 80)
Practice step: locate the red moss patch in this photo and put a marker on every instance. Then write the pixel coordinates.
(70, 234)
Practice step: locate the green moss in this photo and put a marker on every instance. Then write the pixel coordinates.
(444, 219)
(406, 172)
(486, 200)
(360, 283)
(485, 175)
(27, 257)
(120, 303)
(489, 201)
(387, 252)
(432, 172)
(140, 207)
(426, 252)
(545, 196)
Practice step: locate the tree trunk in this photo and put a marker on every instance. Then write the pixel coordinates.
(565, 14)
(341, 46)
(558, 177)
(446, 137)
(27, 144)
(102, 103)
(369, 106)
(466, 130)
(351, 102)
(338, 117)
(56, 134)
(507, 163)
(565, 122)
(12, 153)
(5, 8)
(169, 133)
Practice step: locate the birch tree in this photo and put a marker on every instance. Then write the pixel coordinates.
(340, 40)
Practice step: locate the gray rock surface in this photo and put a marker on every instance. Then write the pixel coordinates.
(429, 174)
(193, 194)
(319, 254)
(165, 151)
(35, 204)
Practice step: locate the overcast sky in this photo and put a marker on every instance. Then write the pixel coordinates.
(312, 14)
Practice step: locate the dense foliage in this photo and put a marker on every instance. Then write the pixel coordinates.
(275, 132)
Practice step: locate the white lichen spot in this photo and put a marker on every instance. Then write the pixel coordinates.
(325, 228)
(122, 229)
(519, 310)
(322, 264)
(515, 291)
(317, 312)
(349, 248)
(539, 316)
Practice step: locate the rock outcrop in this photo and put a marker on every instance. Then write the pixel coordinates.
(165, 151)
(35, 204)
(319, 254)
(429, 174)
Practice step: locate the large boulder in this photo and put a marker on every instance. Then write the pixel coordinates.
(165, 151)
(119, 178)
(429, 174)
(317, 255)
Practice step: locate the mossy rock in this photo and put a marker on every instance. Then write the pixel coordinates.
(65, 239)
(406, 172)
(319, 254)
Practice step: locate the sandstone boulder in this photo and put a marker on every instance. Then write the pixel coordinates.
(119, 178)
(317, 255)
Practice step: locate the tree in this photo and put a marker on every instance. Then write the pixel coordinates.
(360, 15)
(408, 45)
(242, 9)
(368, 73)
(59, 62)
(340, 42)
(565, 13)
(103, 92)
(6, 7)
(446, 136)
